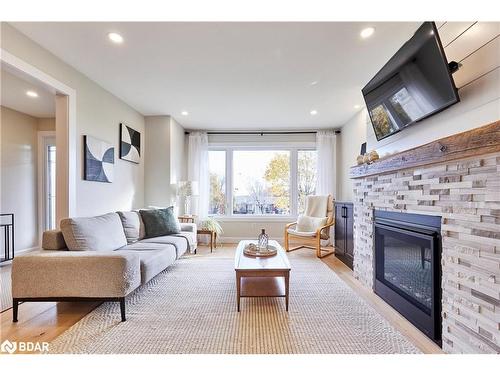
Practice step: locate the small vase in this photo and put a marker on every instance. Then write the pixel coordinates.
(263, 240)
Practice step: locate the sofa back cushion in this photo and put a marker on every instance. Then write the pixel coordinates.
(161, 222)
(98, 233)
(133, 225)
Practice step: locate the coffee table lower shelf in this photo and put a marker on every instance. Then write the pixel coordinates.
(262, 286)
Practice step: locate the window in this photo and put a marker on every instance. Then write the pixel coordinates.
(217, 170)
(306, 176)
(262, 182)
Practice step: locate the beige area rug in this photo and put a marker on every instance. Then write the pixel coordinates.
(191, 308)
(5, 287)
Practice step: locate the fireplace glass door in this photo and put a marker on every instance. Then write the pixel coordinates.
(407, 268)
(406, 265)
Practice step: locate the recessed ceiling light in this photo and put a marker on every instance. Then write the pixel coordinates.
(314, 112)
(184, 113)
(32, 94)
(314, 83)
(357, 106)
(368, 32)
(115, 38)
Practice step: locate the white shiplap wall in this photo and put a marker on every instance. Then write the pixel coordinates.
(476, 45)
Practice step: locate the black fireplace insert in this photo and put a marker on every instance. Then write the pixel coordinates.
(408, 267)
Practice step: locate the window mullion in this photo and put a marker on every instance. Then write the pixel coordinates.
(229, 182)
(294, 197)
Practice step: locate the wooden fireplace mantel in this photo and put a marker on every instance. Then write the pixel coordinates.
(478, 141)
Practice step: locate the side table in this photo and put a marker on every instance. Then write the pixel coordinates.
(213, 237)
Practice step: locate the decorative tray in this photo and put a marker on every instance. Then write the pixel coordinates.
(254, 251)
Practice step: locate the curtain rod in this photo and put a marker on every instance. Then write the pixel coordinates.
(263, 132)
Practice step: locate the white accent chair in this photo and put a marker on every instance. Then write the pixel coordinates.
(312, 227)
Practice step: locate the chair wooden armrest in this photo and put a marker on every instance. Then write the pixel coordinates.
(320, 229)
(290, 224)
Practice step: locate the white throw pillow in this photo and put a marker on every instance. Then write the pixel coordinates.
(310, 223)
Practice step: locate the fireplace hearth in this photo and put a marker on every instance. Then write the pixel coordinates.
(408, 267)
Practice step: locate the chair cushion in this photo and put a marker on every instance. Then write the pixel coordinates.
(301, 234)
(160, 222)
(98, 233)
(309, 223)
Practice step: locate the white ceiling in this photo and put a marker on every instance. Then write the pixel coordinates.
(14, 86)
(230, 75)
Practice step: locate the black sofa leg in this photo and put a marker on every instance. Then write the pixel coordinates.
(122, 308)
(15, 309)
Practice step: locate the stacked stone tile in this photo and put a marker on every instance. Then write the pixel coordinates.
(466, 194)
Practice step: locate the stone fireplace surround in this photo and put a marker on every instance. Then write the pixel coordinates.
(457, 178)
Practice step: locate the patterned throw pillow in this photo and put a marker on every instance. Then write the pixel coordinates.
(161, 222)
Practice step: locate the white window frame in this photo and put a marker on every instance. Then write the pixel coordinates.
(294, 194)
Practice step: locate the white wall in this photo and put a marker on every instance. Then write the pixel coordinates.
(165, 160)
(476, 46)
(18, 175)
(178, 159)
(352, 135)
(98, 113)
(157, 160)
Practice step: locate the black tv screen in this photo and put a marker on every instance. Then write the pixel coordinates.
(414, 84)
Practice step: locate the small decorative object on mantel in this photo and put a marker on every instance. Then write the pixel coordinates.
(367, 158)
(373, 156)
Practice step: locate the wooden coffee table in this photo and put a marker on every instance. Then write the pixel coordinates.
(262, 277)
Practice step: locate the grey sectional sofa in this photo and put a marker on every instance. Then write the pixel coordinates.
(101, 258)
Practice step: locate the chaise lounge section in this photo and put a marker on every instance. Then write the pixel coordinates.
(101, 258)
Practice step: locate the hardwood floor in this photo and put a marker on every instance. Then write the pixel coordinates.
(44, 321)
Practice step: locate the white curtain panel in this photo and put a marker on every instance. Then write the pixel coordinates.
(198, 171)
(326, 171)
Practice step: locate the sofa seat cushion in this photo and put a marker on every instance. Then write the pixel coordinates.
(180, 241)
(98, 233)
(153, 257)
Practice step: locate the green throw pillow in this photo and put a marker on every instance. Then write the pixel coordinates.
(160, 222)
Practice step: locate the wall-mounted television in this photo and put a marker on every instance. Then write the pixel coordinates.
(414, 84)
